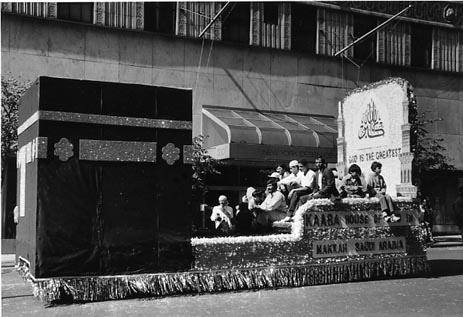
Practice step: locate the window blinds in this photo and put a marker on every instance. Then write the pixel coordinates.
(394, 44)
(268, 34)
(126, 15)
(335, 31)
(39, 9)
(447, 50)
(193, 17)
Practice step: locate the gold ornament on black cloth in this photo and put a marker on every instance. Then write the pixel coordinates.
(170, 153)
(64, 149)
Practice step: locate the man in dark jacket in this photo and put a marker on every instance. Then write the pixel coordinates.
(325, 184)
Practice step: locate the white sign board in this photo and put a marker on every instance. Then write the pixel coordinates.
(373, 120)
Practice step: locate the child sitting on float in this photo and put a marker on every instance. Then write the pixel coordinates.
(352, 185)
(376, 187)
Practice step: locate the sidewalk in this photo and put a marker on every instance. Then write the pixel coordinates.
(8, 260)
(447, 241)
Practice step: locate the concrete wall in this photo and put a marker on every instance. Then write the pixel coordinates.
(228, 75)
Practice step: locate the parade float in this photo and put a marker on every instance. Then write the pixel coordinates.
(104, 196)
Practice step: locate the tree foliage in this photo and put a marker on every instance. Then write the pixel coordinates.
(203, 165)
(12, 90)
(429, 153)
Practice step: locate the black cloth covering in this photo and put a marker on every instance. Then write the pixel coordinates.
(107, 218)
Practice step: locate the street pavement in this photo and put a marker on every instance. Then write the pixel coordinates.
(438, 294)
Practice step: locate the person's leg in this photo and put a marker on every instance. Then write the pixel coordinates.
(386, 213)
(292, 205)
(276, 215)
(389, 203)
(430, 231)
(302, 200)
(261, 218)
(390, 206)
(318, 196)
(430, 238)
(383, 203)
(294, 200)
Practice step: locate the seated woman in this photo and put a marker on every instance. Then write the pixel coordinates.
(244, 216)
(254, 198)
(352, 185)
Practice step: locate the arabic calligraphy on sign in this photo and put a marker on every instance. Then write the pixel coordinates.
(371, 125)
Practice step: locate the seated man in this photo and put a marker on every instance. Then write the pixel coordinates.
(222, 215)
(307, 180)
(292, 180)
(283, 170)
(273, 208)
(325, 184)
(256, 198)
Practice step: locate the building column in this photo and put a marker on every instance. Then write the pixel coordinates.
(286, 26)
(406, 188)
(341, 165)
(255, 29)
(98, 13)
(7, 7)
(52, 10)
(140, 8)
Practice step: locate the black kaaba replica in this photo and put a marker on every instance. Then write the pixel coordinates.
(104, 181)
(104, 201)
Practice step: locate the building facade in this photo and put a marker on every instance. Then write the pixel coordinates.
(265, 79)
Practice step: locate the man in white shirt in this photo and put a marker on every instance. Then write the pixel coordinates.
(222, 215)
(307, 180)
(273, 208)
(293, 180)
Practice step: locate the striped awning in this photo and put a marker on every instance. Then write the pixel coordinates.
(291, 130)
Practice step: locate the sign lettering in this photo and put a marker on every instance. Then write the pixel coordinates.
(353, 247)
(371, 125)
(357, 157)
(373, 120)
(355, 219)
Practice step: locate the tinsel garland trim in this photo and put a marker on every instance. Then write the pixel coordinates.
(99, 288)
(400, 81)
(372, 200)
(274, 238)
(352, 203)
(297, 228)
